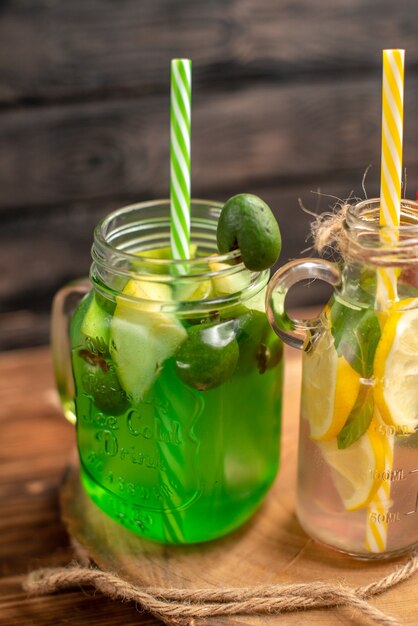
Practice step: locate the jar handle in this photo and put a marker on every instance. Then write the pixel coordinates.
(63, 306)
(296, 333)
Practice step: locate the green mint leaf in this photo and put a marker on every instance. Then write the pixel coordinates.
(356, 333)
(367, 284)
(359, 419)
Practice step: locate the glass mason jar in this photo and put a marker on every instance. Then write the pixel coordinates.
(175, 380)
(358, 442)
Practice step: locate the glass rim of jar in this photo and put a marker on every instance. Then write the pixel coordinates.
(373, 242)
(365, 216)
(111, 261)
(102, 226)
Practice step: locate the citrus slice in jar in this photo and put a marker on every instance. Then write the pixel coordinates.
(228, 282)
(356, 470)
(396, 367)
(142, 336)
(329, 390)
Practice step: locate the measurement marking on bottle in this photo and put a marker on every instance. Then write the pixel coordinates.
(389, 475)
(385, 518)
(416, 501)
(400, 430)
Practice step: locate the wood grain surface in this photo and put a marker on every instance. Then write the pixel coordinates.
(282, 133)
(92, 151)
(35, 446)
(286, 98)
(64, 50)
(54, 247)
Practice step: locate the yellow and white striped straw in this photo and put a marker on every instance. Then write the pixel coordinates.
(391, 165)
(378, 509)
(386, 291)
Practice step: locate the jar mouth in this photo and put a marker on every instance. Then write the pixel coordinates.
(133, 243)
(365, 216)
(114, 234)
(379, 244)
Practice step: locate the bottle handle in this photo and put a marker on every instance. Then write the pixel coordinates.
(63, 306)
(296, 333)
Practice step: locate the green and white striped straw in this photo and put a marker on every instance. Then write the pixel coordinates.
(181, 75)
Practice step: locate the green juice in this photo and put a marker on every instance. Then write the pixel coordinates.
(191, 455)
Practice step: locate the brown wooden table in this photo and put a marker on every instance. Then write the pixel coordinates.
(35, 443)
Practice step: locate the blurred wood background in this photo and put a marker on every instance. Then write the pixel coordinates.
(286, 101)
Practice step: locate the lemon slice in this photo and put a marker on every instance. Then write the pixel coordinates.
(189, 291)
(142, 338)
(228, 283)
(354, 469)
(329, 390)
(396, 367)
(165, 253)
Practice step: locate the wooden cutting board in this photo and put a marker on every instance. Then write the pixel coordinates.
(270, 548)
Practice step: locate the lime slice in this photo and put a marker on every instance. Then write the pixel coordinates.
(258, 302)
(329, 390)
(94, 369)
(164, 253)
(396, 367)
(209, 356)
(158, 254)
(226, 284)
(354, 469)
(189, 291)
(142, 338)
(96, 321)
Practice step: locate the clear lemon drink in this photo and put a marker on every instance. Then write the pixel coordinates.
(358, 448)
(358, 458)
(359, 426)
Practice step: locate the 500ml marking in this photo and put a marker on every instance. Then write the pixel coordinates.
(391, 516)
(385, 518)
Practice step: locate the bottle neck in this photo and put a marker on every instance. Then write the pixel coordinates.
(366, 241)
(371, 251)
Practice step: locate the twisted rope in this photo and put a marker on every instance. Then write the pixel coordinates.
(180, 606)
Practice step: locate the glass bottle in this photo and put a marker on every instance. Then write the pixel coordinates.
(358, 442)
(175, 379)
